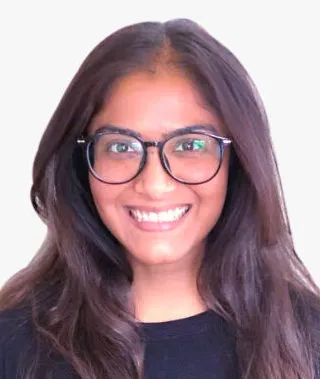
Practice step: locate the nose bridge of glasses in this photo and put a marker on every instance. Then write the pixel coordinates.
(154, 155)
(155, 144)
(151, 144)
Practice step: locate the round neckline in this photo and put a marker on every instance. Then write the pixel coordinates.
(194, 324)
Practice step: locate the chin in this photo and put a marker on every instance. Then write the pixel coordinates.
(158, 255)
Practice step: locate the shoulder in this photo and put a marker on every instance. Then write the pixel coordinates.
(16, 339)
(22, 349)
(14, 319)
(15, 327)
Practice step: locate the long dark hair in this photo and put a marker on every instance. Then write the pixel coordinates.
(78, 285)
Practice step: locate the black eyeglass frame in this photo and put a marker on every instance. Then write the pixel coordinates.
(86, 142)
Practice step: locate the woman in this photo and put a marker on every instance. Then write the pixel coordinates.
(169, 252)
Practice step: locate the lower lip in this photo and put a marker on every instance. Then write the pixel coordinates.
(158, 226)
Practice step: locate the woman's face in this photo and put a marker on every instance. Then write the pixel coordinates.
(154, 105)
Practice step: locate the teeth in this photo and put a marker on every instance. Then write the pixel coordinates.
(167, 216)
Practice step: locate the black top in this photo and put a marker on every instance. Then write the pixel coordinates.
(196, 347)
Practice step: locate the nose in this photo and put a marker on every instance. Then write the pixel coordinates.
(154, 181)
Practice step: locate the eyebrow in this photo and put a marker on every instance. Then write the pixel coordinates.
(193, 127)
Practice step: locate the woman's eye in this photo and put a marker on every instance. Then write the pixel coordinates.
(120, 147)
(191, 145)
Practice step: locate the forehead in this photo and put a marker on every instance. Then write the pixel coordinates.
(154, 104)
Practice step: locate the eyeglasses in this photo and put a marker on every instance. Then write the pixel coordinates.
(192, 155)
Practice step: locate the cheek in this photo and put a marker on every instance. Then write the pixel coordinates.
(105, 197)
(212, 196)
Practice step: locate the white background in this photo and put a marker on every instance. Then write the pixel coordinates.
(43, 44)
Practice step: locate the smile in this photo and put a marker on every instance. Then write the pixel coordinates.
(170, 215)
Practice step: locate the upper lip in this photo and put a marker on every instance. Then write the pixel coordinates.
(157, 209)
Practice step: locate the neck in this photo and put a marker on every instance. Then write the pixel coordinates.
(165, 292)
